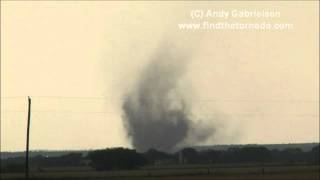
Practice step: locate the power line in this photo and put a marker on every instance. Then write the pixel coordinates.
(12, 97)
(173, 99)
(46, 111)
(232, 114)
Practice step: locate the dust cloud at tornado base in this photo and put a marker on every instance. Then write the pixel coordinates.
(155, 112)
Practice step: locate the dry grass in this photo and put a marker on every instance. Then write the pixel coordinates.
(241, 173)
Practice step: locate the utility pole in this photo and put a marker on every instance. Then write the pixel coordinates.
(28, 132)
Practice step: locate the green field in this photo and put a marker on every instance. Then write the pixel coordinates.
(189, 173)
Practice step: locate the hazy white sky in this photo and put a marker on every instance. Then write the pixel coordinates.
(262, 86)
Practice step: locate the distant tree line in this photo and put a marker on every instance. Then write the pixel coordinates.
(116, 158)
(17, 164)
(123, 158)
(251, 155)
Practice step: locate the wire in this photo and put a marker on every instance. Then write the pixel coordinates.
(203, 100)
(108, 112)
(199, 100)
(45, 111)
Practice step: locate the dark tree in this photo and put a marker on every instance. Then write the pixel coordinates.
(191, 155)
(116, 158)
(314, 155)
(211, 156)
(254, 154)
(154, 156)
(71, 159)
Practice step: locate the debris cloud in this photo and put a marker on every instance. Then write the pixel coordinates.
(156, 115)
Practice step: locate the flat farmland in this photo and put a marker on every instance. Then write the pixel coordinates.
(201, 173)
